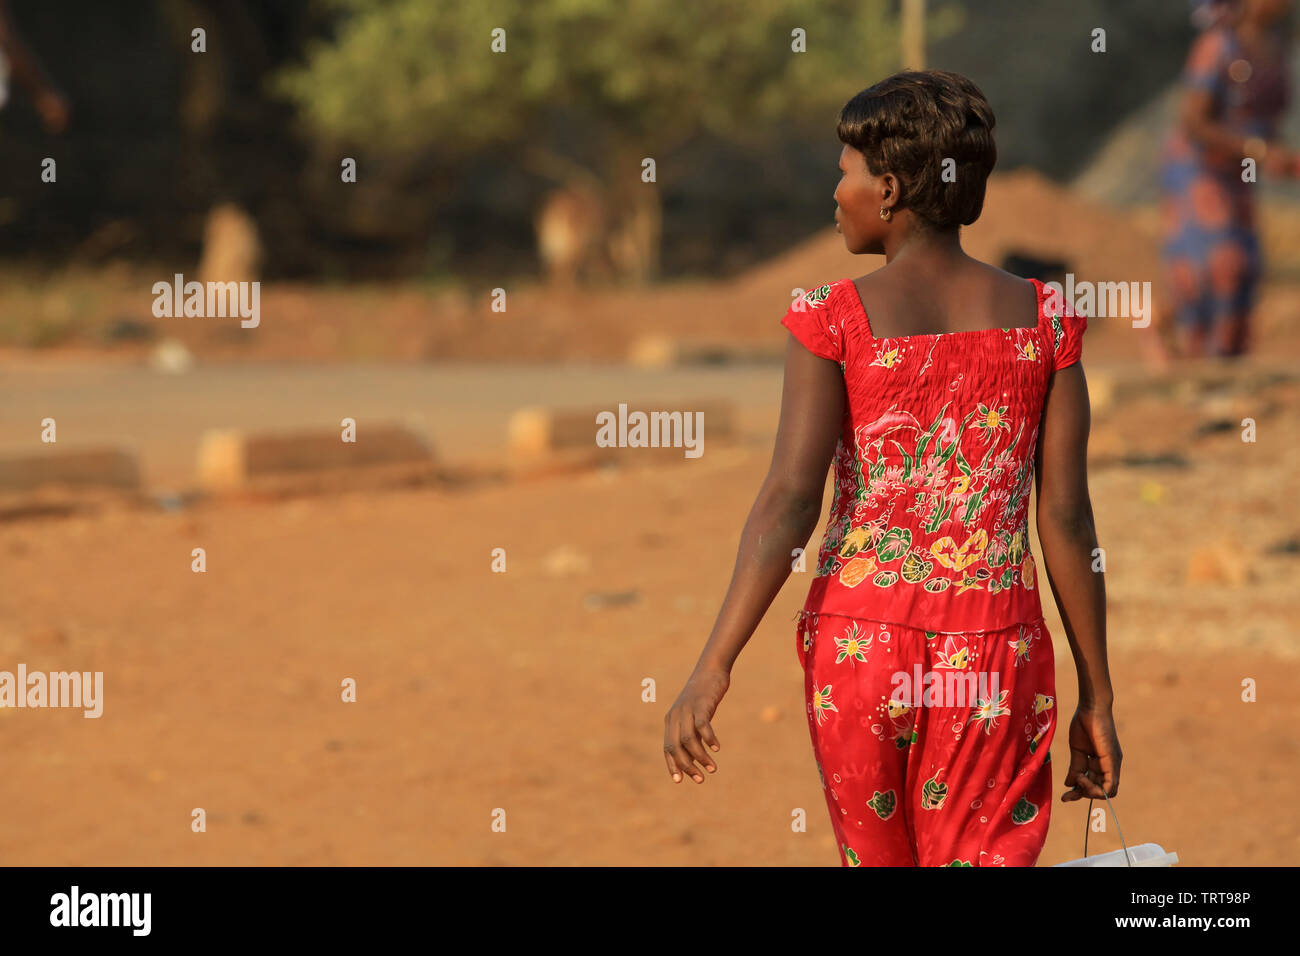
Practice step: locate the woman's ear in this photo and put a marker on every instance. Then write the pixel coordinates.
(889, 190)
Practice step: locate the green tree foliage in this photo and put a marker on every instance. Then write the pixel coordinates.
(413, 74)
(590, 83)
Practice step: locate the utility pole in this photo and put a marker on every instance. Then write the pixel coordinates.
(912, 30)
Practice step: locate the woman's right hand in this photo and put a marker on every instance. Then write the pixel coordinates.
(1095, 756)
(687, 728)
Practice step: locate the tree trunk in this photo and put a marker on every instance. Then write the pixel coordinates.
(637, 219)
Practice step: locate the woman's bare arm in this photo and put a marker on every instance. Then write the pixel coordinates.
(1196, 114)
(1066, 531)
(1198, 119)
(1069, 541)
(789, 503)
(783, 517)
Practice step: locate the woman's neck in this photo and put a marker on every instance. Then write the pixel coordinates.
(927, 247)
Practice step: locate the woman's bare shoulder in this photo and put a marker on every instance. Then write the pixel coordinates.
(1009, 290)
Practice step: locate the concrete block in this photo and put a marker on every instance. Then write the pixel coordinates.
(231, 460)
(568, 436)
(54, 465)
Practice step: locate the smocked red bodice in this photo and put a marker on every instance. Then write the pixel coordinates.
(929, 522)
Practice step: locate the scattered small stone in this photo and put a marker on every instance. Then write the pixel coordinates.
(47, 638)
(1289, 545)
(169, 501)
(595, 600)
(1153, 492)
(171, 357)
(1214, 426)
(129, 330)
(1220, 563)
(565, 561)
(1167, 459)
(653, 351)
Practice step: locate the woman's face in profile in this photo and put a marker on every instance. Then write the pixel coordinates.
(858, 198)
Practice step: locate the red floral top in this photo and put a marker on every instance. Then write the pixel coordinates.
(929, 522)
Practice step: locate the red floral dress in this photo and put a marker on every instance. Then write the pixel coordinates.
(928, 666)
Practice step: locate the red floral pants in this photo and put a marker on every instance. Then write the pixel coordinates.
(932, 747)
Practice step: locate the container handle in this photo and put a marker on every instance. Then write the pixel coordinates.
(1087, 825)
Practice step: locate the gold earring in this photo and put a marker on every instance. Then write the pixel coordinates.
(886, 214)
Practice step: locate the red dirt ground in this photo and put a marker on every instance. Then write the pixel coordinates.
(479, 691)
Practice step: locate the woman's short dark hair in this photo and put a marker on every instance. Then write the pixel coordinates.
(908, 124)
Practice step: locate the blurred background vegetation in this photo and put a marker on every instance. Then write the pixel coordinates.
(457, 147)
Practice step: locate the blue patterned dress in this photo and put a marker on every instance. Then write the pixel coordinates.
(1211, 249)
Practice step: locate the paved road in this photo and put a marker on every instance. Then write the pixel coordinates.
(464, 408)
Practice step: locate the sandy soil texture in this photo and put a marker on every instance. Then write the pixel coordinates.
(523, 691)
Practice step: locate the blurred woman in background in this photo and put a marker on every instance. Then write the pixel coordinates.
(1236, 90)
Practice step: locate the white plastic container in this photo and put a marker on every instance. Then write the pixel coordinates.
(1144, 854)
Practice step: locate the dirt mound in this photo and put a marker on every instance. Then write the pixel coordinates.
(1024, 211)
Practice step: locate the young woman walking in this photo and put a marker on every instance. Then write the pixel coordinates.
(941, 390)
